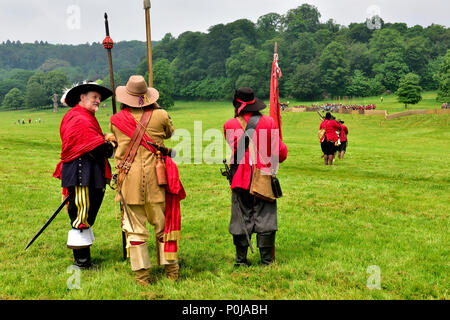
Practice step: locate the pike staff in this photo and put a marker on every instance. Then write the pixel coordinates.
(108, 44)
(147, 6)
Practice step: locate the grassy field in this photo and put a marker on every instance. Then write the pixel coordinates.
(385, 205)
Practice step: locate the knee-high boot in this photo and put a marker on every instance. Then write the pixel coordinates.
(266, 245)
(241, 244)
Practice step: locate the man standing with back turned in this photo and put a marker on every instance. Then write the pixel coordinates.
(140, 126)
(254, 214)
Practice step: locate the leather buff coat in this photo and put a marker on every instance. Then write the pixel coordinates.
(140, 185)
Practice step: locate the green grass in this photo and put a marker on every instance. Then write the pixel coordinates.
(385, 204)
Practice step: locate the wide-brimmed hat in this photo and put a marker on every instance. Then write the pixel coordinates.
(71, 96)
(136, 94)
(244, 100)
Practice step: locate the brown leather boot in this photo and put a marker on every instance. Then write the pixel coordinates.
(172, 271)
(142, 277)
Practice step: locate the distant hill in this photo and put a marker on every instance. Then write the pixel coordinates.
(88, 59)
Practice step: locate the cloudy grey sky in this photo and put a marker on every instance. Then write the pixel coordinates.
(81, 21)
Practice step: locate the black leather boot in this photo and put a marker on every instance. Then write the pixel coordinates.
(241, 243)
(267, 255)
(83, 258)
(241, 257)
(266, 245)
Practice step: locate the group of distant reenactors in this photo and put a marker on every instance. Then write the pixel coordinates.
(333, 138)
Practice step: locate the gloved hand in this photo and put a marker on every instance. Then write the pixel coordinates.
(111, 138)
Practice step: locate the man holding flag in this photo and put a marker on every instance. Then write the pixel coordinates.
(251, 213)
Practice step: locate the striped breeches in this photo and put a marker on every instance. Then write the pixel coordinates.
(84, 205)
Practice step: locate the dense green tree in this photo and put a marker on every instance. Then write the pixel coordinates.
(54, 82)
(385, 41)
(269, 26)
(359, 58)
(304, 18)
(393, 68)
(36, 96)
(163, 82)
(7, 85)
(444, 80)
(21, 75)
(417, 54)
(334, 68)
(359, 32)
(429, 79)
(305, 82)
(166, 48)
(409, 91)
(375, 85)
(243, 28)
(249, 67)
(399, 26)
(359, 85)
(14, 99)
(303, 50)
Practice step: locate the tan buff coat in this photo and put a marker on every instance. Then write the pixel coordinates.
(140, 186)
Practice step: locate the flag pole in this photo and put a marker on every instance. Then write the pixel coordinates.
(147, 6)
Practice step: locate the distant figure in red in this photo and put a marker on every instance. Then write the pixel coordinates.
(343, 137)
(328, 142)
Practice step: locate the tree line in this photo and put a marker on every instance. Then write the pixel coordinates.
(318, 59)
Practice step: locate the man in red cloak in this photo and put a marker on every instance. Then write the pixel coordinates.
(84, 169)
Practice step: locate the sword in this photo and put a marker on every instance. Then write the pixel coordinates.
(66, 200)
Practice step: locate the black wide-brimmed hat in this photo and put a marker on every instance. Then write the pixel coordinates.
(244, 100)
(71, 96)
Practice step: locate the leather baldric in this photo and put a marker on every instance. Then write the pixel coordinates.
(136, 139)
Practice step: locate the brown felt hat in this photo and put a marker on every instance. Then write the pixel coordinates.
(136, 94)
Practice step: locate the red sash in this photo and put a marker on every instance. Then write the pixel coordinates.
(125, 122)
(80, 133)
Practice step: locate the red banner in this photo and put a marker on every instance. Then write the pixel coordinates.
(274, 92)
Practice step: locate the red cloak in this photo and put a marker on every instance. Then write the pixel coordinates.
(80, 133)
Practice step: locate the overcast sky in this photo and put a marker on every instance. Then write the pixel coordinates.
(81, 21)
